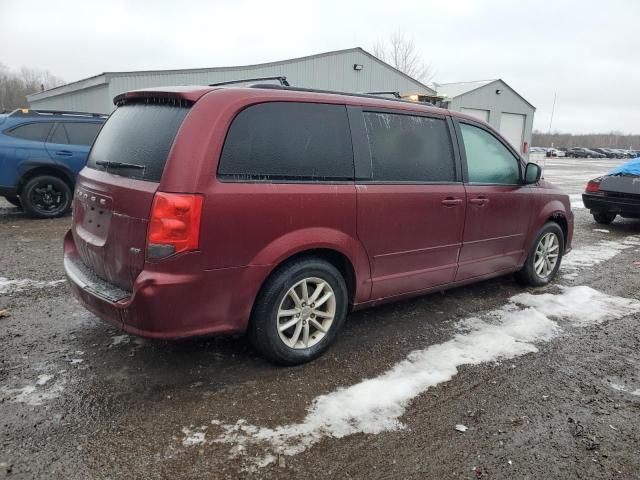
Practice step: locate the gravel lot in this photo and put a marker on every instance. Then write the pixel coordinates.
(79, 400)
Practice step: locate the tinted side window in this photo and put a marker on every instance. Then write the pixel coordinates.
(287, 140)
(488, 160)
(409, 148)
(59, 134)
(82, 133)
(32, 131)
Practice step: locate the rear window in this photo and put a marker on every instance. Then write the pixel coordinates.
(75, 133)
(288, 141)
(82, 133)
(139, 135)
(32, 131)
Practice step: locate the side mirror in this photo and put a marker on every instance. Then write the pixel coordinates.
(532, 173)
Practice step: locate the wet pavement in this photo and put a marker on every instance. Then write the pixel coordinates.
(80, 400)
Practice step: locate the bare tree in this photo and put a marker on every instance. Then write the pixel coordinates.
(400, 51)
(14, 87)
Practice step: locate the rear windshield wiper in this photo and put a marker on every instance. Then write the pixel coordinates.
(106, 163)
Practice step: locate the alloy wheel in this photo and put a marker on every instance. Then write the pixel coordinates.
(547, 255)
(306, 313)
(47, 199)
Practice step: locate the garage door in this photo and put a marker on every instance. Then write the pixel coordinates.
(477, 113)
(512, 128)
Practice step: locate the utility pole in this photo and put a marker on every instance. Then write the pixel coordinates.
(553, 109)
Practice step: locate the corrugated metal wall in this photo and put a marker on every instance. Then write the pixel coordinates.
(328, 72)
(333, 71)
(95, 99)
(485, 98)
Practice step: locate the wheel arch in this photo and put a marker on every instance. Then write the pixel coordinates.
(29, 172)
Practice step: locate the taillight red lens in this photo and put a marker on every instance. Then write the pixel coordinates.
(175, 224)
(593, 186)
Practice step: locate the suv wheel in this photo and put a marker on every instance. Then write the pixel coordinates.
(604, 218)
(14, 200)
(46, 196)
(544, 259)
(299, 312)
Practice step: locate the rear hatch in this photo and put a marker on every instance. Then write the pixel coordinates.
(114, 193)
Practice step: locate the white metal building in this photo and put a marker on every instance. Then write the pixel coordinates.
(352, 70)
(494, 102)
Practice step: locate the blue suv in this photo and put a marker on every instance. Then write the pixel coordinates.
(41, 152)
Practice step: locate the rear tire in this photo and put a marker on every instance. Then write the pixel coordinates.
(604, 218)
(46, 196)
(14, 200)
(284, 300)
(543, 262)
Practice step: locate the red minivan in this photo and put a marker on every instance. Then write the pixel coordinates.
(275, 211)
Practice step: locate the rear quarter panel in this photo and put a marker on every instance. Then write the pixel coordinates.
(258, 224)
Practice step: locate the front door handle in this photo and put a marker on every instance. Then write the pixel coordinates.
(64, 153)
(451, 202)
(480, 201)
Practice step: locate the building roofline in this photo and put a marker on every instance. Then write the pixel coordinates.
(489, 81)
(69, 87)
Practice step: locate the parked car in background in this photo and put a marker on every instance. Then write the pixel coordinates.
(554, 152)
(579, 152)
(607, 152)
(41, 152)
(538, 150)
(275, 210)
(621, 153)
(616, 193)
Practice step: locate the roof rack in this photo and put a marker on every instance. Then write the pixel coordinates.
(281, 79)
(394, 94)
(334, 92)
(34, 113)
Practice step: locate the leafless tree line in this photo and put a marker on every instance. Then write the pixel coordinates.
(15, 86)
(591, 140)
(400, 51)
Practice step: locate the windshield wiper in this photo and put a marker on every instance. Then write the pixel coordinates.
(106, 163)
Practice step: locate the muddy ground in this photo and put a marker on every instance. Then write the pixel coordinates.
(78, 400)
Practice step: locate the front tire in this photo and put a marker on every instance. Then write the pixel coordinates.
(604, 218)
(299, 311)
(46, 196)
(543, 261)
(13, 200)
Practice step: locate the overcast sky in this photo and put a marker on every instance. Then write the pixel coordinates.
(585, 50)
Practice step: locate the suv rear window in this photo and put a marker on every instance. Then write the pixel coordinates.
(288, 141)
(137, 134)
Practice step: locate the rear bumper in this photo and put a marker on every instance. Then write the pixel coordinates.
(168, 305)
(625, 206)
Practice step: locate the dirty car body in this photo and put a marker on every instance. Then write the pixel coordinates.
(381, 231)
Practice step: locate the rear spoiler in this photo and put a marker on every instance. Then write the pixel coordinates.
(168, 95)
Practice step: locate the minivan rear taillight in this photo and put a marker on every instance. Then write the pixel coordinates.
(175, 224)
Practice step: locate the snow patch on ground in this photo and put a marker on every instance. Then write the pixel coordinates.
(601, 230)
(15, 286)
(376, 405)
(40, 392)
(576, 201)
(623, 388)
(193, 437)
(118, 339)
(592, 255)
